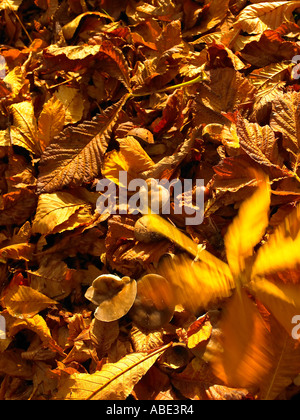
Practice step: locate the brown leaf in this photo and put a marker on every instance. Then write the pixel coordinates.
(77, 156)
(197, 382)
(16, 207)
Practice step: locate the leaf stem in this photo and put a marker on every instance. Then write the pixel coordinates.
(23, 27)
(201, 78)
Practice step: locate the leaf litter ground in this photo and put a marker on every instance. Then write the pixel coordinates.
(180, 89)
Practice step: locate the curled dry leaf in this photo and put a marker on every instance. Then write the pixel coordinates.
(163, 90)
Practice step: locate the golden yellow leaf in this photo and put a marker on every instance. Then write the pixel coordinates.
(225, 134)
(24, 302)
(131, 158)
(24, 129)
(114, 381)
(73, 102)
(58, 212)
(248, 228)
(51, 121)
(240, 355)
(199, 332)
(196, 285)
(10, 4)
(282, 249)
(36, 324)
(257, 18)
(282, 300)
(15, 79)
(70, 28)
(4, 138)
(285, 362)
(22, 251)
(159, 225)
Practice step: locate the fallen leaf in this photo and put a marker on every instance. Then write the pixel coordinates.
(113, 381)
(24, 302)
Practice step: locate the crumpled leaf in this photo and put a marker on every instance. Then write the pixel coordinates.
(197, 382)
(17, 206)
(70, 28)
(53, 278)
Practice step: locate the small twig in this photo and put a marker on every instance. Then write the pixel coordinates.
(201, 78)
(23, 27)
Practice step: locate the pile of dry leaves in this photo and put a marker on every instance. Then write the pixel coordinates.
(161, 89)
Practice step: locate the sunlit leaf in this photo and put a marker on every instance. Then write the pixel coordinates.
(282, 249)
(24, 302)
(197, 285)
(248, 228)
(240, 355)
(60, 211)
(114, 381)
(282, 300)
(256, 18)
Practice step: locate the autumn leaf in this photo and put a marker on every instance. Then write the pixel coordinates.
(70, 28)
(251, 223)
(197, 382)
(127, 306)
(114, 381)
(73, 105)
(285, 120)
(240, 356)
(72, 163)
(58, 212)
(24, 302)
(53, 278)
(19, 251)
(24, 131)
(10, 4)
(17, 206)
(131, 158)
(36, 324)
(51, 121)
(257, 18)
